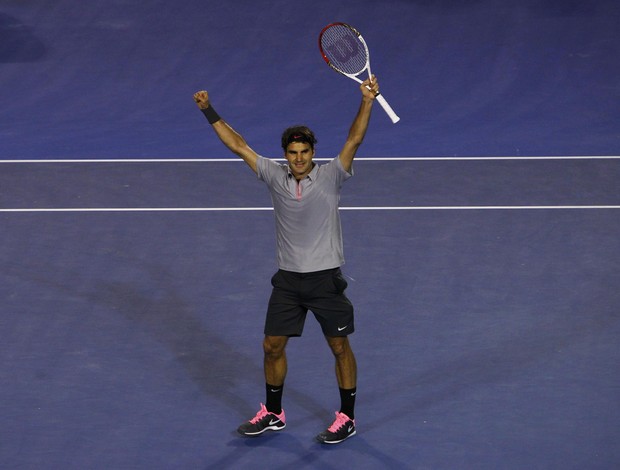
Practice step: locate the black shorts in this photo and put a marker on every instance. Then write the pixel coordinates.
(321, 292)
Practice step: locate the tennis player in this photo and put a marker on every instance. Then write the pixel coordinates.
(305, 197)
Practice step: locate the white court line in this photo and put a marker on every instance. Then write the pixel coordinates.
(142, 209)
(464, 208)
(225, 160)
(384, 208)
(354, 208)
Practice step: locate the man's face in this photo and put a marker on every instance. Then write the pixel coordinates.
(299, 156)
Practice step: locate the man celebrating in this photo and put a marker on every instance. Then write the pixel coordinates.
(305, 197)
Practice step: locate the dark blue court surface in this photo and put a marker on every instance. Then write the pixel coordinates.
(114, 78)
(133, 290)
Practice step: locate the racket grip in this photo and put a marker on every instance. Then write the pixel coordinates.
(387, 108)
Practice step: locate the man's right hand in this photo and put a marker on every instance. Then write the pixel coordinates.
(202, 99)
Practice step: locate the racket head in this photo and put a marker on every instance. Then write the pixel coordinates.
(344, 49)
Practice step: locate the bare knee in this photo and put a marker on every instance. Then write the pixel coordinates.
(273, 346)
(339, 346)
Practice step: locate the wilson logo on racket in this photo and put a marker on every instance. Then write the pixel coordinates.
(344, 49)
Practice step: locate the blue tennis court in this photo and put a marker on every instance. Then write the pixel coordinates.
(481, 235)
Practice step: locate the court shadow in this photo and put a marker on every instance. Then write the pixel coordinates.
(18, 42)
(208, 359)
(305, 453)
(244, 450)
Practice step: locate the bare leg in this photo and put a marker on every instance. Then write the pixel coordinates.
(275, 359)
(271, 416)
(346, 367)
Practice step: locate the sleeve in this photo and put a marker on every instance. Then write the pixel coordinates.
(338, 171)
(267, 169)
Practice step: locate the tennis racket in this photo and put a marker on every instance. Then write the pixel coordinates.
(344, 49)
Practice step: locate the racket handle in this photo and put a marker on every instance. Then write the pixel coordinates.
(387, 108)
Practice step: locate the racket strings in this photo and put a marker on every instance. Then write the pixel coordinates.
(344, 50)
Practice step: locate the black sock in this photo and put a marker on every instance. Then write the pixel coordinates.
(347, 401)
(274, 398)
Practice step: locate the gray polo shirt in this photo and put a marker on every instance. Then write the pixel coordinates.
(308, 231)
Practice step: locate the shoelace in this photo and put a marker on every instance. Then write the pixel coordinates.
(260, 415)
(341, 419)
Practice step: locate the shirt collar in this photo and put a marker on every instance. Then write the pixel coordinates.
(310, 176)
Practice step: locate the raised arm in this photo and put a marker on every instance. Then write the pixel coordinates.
(369, 89)
(229, 137)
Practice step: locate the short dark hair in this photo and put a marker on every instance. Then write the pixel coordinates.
(298, 134)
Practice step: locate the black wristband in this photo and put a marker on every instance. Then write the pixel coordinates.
(211, 115)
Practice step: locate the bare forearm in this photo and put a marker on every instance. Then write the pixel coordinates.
(229, 137)
(235, 143)
(360, 123)
(357, 132)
